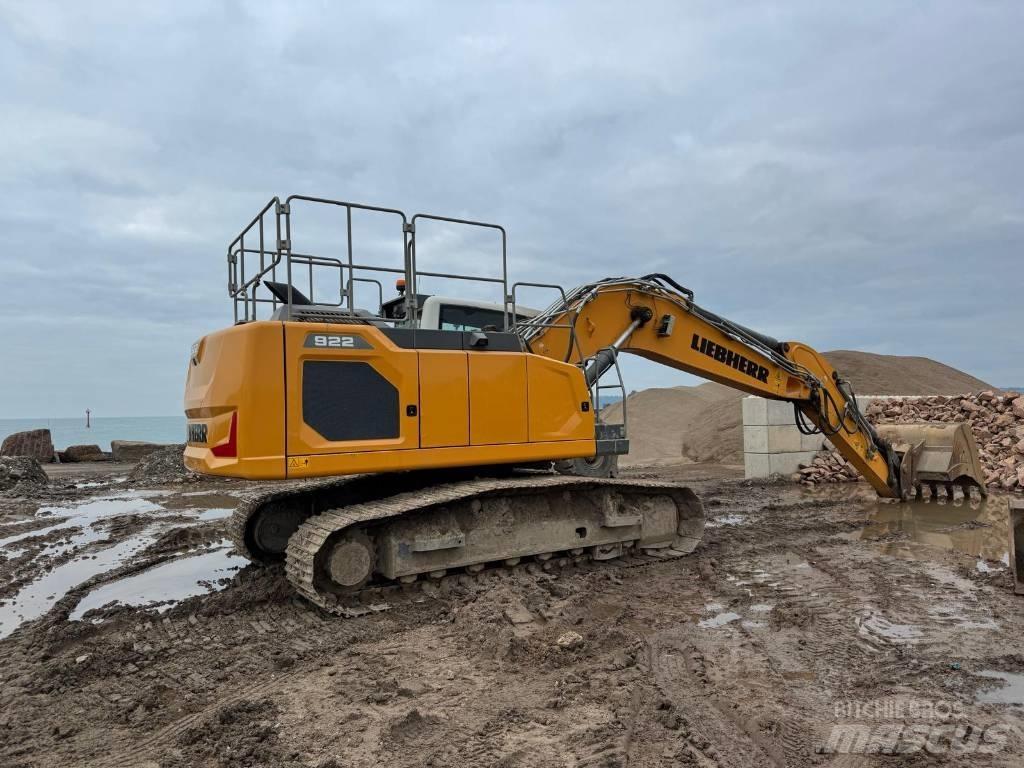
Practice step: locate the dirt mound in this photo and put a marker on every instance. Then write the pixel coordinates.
(898, 375)
(704, 423)
(166, 465)
(696, 423)
(240, 734)
(20, 474)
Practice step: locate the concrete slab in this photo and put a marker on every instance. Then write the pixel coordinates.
(755, 411)
(769, 439)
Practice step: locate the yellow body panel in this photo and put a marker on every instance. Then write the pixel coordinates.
(444, 398)
(238, 370)
(497, 398)
(449, 408)
(550, 385)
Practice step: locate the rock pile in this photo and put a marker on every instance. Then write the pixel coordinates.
(20, 474)
(36, 443)
(165, 465)
(133, 450)
(996, 419)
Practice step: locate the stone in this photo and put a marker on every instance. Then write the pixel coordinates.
(21, 472)
(77, 453)
(518, 614)
(36, 443)
(570, 640)
(1017, 406)
(133, 450)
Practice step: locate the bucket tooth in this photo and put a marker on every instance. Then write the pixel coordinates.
(932, 454)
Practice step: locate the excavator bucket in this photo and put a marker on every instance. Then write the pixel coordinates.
(935, 454)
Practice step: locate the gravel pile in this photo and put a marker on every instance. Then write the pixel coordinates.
(996, 419)
(165, 465)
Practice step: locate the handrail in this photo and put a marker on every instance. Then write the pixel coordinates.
(273, 247)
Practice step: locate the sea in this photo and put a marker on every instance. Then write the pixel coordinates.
(102, 429)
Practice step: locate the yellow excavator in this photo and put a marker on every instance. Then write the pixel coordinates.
(431, 435)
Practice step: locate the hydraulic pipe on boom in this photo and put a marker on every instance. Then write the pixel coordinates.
(656, 318)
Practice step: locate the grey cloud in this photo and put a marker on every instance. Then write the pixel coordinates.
(845, 175)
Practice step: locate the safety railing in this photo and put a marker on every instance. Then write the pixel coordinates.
(528, 326)
(597, 387)
(263, 251)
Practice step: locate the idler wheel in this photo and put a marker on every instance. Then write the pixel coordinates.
(350, 564)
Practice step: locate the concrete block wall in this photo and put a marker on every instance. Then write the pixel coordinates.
(772, 444)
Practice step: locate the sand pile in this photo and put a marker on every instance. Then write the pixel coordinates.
(996, 420)
(704, 423)
(696, 423)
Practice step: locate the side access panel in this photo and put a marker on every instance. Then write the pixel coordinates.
(444, 398)
(497, 398)
(559, 402)
(349, 389)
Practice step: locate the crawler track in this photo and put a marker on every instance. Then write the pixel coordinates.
(309, 545)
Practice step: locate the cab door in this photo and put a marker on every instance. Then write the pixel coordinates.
(349, 389)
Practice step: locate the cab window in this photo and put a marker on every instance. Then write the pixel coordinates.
(456, 318)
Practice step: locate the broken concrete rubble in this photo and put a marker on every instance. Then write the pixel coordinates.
(996, 420)
(36, 443)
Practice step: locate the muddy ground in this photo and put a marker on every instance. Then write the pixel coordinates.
(811, 627)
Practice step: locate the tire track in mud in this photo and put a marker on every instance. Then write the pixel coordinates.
(156, 638)
(712, 737)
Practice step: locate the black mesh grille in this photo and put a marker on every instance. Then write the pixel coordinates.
(348, 400)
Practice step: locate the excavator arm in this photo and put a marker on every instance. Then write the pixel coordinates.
(657, 318)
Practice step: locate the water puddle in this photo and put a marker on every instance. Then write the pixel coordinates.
(721, 520)
(201, 500)
(1010, 692)
(83, 516)
(167, 583)
(975, 527)
(85, 523)
(718, 621)
(215, 514)
(39, 596)
(877, 627)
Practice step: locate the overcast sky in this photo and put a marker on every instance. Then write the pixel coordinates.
(850, 175)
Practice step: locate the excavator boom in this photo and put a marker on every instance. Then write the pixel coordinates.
(657, 318)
